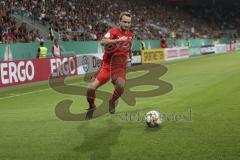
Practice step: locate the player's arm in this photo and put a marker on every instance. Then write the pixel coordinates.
(106, 41)
(130, 49)
(110, 38)
(130, 53)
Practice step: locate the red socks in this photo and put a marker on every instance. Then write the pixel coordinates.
(117, 93)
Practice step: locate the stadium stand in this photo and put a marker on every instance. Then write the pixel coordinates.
(89, 19)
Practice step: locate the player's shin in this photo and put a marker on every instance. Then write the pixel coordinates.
(91, 97)
(117, 93)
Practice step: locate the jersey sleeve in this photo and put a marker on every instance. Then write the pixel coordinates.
(111, 34)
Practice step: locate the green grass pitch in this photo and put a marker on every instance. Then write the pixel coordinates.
(206, 89)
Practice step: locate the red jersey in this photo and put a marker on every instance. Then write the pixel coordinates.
(118, 48)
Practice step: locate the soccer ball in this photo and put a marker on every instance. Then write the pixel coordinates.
(153, 119)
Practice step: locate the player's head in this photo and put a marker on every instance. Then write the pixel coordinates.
(125, 19)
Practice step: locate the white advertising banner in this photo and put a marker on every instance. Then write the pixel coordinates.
(176, 53)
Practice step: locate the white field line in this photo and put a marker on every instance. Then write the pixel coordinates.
(32, 92)
(13, 95)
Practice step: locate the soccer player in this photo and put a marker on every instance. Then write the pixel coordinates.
(117, 43)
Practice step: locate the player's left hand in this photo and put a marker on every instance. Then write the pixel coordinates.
(124, 39)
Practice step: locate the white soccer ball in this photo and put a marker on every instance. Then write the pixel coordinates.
(153, 119)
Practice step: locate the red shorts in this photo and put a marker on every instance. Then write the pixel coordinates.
(111, 71)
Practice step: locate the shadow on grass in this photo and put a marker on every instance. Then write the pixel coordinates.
(98, 141)
(155, 129)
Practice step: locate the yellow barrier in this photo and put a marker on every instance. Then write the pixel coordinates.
(152, 55)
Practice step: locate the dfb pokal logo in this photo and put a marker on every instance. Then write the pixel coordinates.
(85, 63)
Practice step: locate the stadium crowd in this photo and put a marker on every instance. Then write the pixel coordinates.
(90, 19)
(10, 31)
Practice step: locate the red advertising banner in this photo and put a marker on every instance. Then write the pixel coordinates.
(32, 70)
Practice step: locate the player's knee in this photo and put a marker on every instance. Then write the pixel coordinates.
(93, 85)
(120, 83)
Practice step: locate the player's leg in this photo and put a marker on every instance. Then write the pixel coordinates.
(102, 77)
(92, 86)
(118, 76)
(119, 84)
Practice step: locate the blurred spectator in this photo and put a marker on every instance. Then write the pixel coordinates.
(90, 19)
(42, 51)
(163, 42)
(56, 49)
(50, 33)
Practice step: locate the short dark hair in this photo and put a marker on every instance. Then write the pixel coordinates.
(124, 14)
(41, 43)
